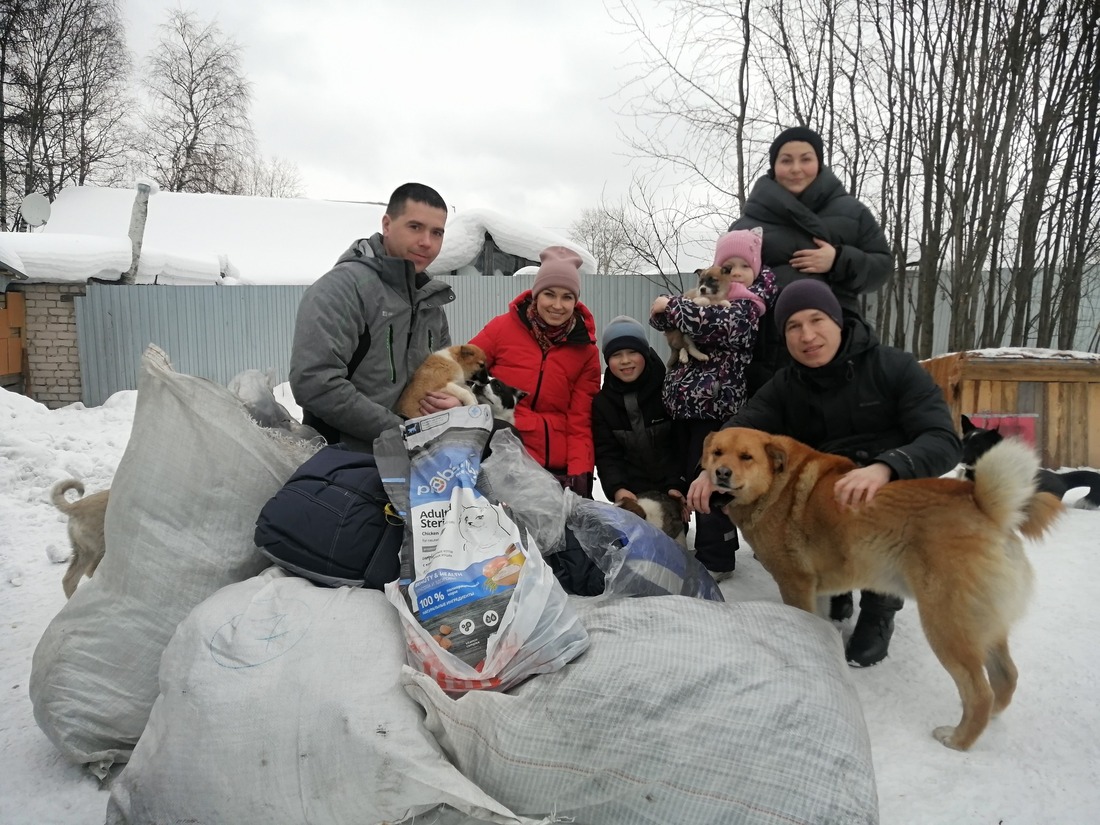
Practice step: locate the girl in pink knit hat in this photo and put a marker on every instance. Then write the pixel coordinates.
(700, 395)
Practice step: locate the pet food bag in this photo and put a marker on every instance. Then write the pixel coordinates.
(479, 606)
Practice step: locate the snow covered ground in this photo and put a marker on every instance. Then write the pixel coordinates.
(1039, 763)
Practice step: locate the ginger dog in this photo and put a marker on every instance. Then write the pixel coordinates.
(951, 545)
(451, 370)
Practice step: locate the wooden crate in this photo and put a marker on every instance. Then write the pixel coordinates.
(1061, 391)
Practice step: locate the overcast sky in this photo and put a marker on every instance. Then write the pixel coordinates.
(505, 105)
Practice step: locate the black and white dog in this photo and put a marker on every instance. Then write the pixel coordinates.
(663, 512)
(500, 397)
(976, 441)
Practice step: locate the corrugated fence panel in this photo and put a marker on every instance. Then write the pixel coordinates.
(213, 332)
(216, 331)
(1086, 333)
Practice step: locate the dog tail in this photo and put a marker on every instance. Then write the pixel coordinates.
(1006, 491)
(57, 494)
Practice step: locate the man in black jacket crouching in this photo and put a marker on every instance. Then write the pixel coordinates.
(849, 395)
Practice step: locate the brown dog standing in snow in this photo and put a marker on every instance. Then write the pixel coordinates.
(952, 545)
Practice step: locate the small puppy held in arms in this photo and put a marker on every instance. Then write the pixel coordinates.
(501, 398)
(712, 290)
(662, 511)
(85, 530)
(951, 545)
(453, 370)
(735, 268)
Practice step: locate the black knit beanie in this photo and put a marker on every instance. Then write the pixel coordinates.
(796, 133)
(808, 293)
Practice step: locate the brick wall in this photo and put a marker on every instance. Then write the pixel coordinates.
(53, 362)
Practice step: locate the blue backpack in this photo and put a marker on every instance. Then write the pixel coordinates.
(332, 522)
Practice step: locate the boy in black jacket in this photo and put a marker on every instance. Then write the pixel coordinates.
(631, 430)
(847, 394)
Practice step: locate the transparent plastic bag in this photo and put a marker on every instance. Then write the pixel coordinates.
(637, 558)
(533, 495)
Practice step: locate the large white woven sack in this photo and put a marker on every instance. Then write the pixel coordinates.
(681, 711)
(281, 702)
(179, 526)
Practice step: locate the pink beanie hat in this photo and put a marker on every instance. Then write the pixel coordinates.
(740, 243)
(560, 267)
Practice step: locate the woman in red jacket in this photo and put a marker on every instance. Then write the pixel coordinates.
(546, 345)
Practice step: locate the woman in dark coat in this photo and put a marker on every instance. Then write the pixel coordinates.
(812, 227)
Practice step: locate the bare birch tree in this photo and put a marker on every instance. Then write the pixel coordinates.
(602, 231)
(273, 178)
(198, 137)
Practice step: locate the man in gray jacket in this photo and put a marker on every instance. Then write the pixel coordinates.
(366, 325)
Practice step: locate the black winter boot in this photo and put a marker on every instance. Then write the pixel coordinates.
(716, 543)
(840, 607)
(871, 637)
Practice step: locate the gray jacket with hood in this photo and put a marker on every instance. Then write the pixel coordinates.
(366, 293)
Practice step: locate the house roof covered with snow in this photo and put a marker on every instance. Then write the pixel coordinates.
(203, 238)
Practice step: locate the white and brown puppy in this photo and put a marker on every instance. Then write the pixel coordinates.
(712, 290)
(950, 545)
(452, 370)
(85, 530)
(662, 511)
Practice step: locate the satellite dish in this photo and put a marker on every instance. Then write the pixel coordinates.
(35, 209)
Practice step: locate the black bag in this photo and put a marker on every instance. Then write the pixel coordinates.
(332, 522)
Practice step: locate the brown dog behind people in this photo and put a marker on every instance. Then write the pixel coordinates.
(951, 545)
(85, 530)
(451, 370)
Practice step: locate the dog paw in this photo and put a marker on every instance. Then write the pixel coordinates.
(58, 554)
(946, 736)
